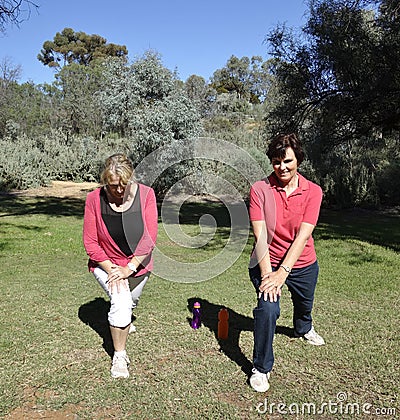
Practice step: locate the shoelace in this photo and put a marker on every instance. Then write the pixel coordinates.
(120, 359)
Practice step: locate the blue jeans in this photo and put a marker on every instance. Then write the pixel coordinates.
(301, 283)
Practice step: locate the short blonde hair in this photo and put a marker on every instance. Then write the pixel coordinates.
(117, 165)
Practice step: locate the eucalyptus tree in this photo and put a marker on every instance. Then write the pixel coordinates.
(144, 103)
(9, 75)
(28, 110)
(9, 72)
(22, 107)
(234, 77)
(77, 87)
(345, 66)
(202, 94)
(244, 77)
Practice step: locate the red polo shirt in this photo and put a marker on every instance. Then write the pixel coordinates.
(283, 215)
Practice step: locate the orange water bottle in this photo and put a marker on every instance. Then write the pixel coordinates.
(223, 324)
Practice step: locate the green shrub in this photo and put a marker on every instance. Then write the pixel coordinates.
(31, 162)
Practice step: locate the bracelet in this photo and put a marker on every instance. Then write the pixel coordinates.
(286, 268)
(132, 267)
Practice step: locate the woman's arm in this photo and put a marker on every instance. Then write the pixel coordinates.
(261, 246)
(90, 233)
(271, 286)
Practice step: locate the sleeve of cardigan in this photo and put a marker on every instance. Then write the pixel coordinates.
(148, 241)
(90, 233)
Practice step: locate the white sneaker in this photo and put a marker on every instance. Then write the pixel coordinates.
(313, 338)
(119, 367)
(132, 329)
(259, 381)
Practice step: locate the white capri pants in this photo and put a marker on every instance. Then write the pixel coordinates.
(122, 302)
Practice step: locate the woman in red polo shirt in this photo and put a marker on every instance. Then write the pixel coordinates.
(284, 210)
(119, 234)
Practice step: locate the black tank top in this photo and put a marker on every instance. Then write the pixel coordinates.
(126, 228)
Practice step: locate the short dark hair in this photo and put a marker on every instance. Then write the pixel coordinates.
(281, 142)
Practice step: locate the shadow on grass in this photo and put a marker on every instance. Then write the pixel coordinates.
(237, 323)
(190, 213)
(95, 314)
(375, 227)
(229, 221)
(14, 205)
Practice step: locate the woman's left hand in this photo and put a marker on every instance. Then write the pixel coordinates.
(271, 285)
(117, 277)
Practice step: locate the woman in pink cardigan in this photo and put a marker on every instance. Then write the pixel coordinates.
(119, 234)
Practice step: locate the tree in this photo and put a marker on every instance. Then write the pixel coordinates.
(69, 47)
(144, 103)
(9, 75)
(12, 12)
(244, 77)
(234, 77)
(78, 110)
(338, 83)
(26, 109)
(201, 94)
(9, 72)
(347, 68)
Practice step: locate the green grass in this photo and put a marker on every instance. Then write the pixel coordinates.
(55, 345)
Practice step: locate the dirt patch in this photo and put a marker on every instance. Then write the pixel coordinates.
(60, 189)
(65, 189)
(33, 411)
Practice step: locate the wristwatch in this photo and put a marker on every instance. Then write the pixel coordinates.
(132, 267)
(285, 267)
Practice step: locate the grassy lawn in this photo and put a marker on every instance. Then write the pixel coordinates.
(55, 343)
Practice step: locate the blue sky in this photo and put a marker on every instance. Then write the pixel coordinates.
(194, 37)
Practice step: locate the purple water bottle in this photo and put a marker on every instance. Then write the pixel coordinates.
(196, 321)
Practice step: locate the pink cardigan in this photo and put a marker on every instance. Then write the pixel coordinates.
(100, 246)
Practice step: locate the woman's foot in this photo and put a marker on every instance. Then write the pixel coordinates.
(120, 365)
(259, 381)
(312, 337)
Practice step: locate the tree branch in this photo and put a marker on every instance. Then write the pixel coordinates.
(11, 12)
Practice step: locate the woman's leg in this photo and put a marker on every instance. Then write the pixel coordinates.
(119, 337)
(265, 316)
(136, 285)
(119, 316)
(302, 283)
